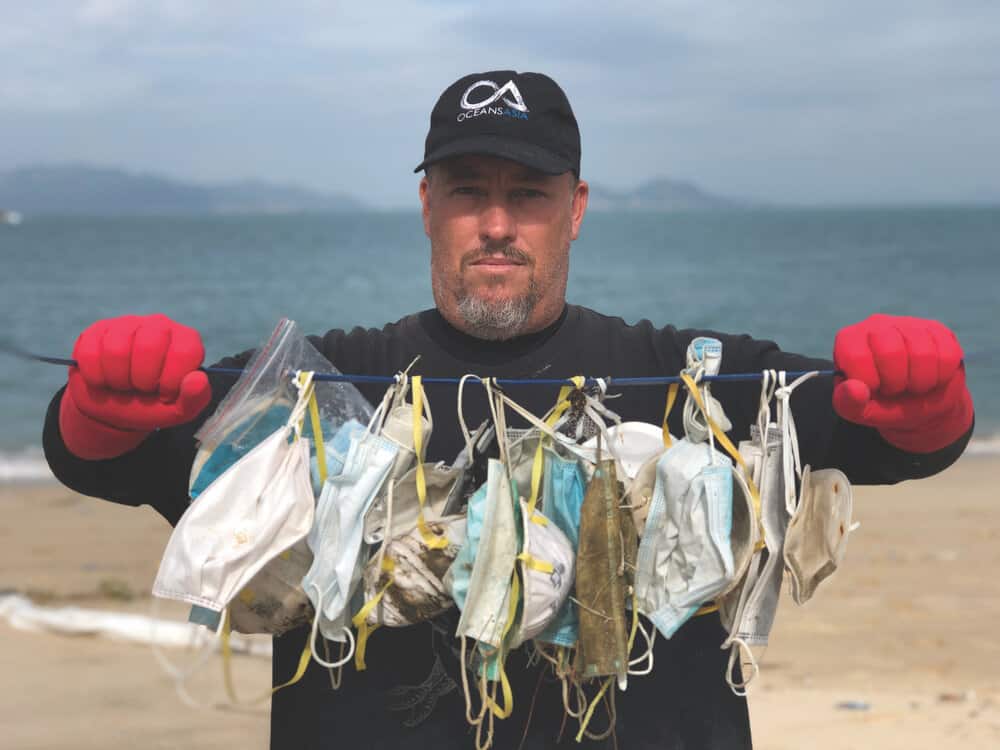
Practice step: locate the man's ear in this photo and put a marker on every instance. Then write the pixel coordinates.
(425, 211)
(580, 196)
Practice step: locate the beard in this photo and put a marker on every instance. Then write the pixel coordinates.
(497, 319)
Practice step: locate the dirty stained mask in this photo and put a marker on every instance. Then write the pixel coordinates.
(605, 554)
(816, 540)
(562, 497)
(413, 579)
(685, 556)
(486, 601)
(440, 481)
(273, 601)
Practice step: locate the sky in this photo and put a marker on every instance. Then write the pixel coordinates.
(831, 101)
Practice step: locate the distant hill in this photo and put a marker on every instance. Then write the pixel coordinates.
(80, 189)
(658, 195)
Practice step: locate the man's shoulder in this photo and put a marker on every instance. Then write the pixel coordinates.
(594, 321)
(357, 345)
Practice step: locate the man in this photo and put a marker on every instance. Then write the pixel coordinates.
(502, 202)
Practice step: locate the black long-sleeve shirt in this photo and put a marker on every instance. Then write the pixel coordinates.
(403, 699)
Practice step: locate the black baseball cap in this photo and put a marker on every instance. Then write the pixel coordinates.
(524, 117)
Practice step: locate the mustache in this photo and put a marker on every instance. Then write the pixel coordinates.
(507, 251)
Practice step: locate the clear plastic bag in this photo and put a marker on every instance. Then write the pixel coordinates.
(261, 400)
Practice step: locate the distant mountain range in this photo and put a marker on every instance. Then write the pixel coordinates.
(658, 195)
(87, 190)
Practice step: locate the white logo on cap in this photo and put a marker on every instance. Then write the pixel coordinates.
(498, 91)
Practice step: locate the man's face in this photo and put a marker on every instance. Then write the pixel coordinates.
(500, 234)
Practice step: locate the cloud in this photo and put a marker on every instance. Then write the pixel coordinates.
(830, 100)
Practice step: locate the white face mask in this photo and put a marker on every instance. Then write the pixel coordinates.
(773, 461)
(749, 611)
(816, 541)
(251, 513)
(547, 567)
(685, 556)
(632, 444)
(336, 537)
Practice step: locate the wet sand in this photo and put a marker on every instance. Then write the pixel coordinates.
(903, 638)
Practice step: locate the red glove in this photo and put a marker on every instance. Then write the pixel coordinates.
(133, 375)
(905, 378)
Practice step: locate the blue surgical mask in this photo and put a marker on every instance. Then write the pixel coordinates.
(456, 579)
(562, 495)
(336, 536)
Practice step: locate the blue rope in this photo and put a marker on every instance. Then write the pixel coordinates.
(387, 379)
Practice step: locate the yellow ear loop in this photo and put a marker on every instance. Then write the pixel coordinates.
(360, 620)
(562, 404)
(227, 667)
(432, 540)
(731, 450)
(317, 429)
(593, 705)
(306, 381)
(508, 695)
(671, 398)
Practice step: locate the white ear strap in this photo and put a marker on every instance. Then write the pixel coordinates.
(791, 464)
(461, 415)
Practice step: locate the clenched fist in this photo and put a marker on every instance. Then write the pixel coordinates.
(134, 374)
(903, 376)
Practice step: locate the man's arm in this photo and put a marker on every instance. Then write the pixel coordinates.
(865, 452)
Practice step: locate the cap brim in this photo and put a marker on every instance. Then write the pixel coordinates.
(527, 154)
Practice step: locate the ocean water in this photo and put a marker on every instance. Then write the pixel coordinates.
(793, 276)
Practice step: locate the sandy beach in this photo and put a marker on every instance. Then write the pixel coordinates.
(898, 650)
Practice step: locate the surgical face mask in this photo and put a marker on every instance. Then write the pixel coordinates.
(336, 453)
(752, 614)
(252, 512)
(400, 428)
(486, 607)
(406, 580)
(562, 497)
(704, 357)
(336, 537)
(604, 554)
(816, 541)
(273, 601)
(456, 578)
(685, 557)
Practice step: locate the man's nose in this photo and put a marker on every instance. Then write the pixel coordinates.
(497, 223)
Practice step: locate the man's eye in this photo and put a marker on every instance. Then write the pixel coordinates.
(528, 193)
(467, 190)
